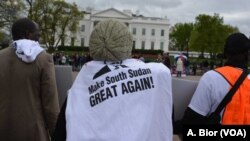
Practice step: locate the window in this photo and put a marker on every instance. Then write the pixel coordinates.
(82, 42)
(143, 31)
(153, 32)
(83, 28)
(143, 45)
(134, 42)
(162, 45)
(72, 41)
(152, 45)
(162, 32)
(134, 31)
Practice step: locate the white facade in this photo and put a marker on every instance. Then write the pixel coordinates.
(140, 27)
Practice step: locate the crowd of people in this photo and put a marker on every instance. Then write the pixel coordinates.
(182, 66)
(115, 97)
(75, 60)
(179, 67)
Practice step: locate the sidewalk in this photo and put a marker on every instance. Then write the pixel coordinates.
(176, 138)
(190, 77)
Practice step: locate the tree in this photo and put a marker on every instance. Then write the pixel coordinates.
(209, 34)
(10, 10)
(180, 36)
(55, 18)
(30, 9)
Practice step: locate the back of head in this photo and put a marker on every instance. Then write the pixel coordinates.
(110, 41)
(236, 43)
(236, 50)
(22, 28)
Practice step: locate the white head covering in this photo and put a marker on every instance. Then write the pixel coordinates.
(27, 50)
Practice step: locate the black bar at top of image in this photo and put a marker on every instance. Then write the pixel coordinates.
(216, 132)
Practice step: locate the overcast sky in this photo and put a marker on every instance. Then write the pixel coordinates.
(234, 12)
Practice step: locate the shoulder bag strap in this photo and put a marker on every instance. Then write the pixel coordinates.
(230, 94)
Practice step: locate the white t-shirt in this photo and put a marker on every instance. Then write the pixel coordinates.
(128, 102)
(64, 59)
(210, 91)
(179, 65)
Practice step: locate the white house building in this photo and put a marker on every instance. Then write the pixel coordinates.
(149, 33)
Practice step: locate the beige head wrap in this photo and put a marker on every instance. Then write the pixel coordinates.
(111, 41)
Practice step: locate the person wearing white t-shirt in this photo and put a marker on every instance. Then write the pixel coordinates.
(115, 97)
(63, 59)
(179, 67)
(215, 84)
